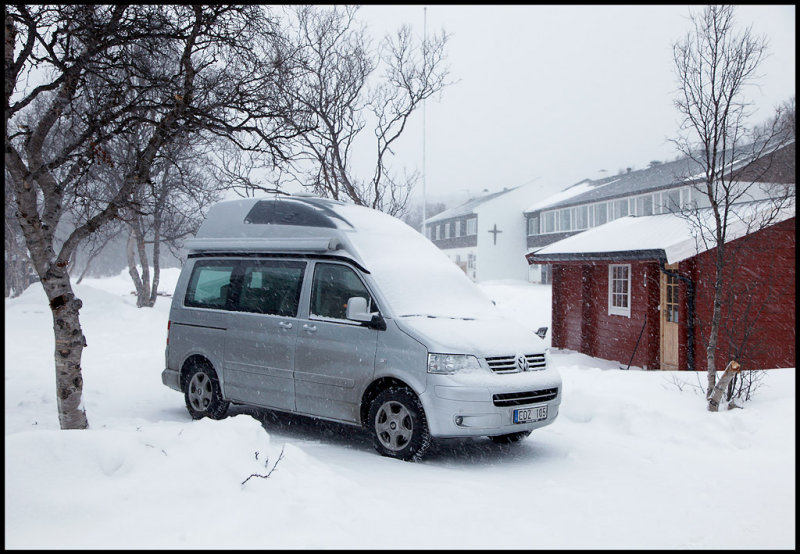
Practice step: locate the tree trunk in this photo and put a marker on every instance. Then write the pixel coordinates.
(156, 254)
(719, 389)
(141, 291)
(143, 299)
(69, 342)
(711, 349)
(156, 272)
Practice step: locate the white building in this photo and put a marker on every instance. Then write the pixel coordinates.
(661, 188)
(486, 236)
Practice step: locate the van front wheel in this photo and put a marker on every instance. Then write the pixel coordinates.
(203, 395)
(398, 425)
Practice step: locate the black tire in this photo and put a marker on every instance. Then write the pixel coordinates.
(203, 394)
(511, 437)
(398, 425)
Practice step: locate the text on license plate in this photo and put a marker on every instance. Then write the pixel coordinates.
(528, 415)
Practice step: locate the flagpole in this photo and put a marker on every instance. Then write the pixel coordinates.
(424, 176)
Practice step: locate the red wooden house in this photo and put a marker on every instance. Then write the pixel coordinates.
(639, 290)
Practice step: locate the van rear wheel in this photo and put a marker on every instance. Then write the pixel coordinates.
(510, 437)
(203, 394)
(398, 425)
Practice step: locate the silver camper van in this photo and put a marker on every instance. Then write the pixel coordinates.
(339, 312)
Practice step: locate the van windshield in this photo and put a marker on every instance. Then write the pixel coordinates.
(416, 277)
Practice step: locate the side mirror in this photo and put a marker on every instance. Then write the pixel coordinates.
(357, 311)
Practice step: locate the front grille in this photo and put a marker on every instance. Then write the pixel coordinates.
(520, 398)
(508, 364)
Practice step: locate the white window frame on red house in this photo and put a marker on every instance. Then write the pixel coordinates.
(619, 290)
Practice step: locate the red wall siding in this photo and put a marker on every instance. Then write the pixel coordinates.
(567, 309)
(761, 305)
(581, 321)
(615, 336)
(762, 301)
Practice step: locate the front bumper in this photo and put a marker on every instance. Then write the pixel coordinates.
(464, 405)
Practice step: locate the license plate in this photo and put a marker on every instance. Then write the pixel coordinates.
(528, 415)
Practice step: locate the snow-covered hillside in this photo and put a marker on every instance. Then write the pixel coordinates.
(633, 461)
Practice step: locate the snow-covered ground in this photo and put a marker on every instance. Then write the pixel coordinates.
(633, 461)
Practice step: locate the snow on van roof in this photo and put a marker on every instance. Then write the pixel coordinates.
(414, 275)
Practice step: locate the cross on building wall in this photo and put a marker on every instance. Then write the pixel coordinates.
(494, 231)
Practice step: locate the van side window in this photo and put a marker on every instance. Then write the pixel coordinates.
(209, 285)
(271, 287)
(333, 285)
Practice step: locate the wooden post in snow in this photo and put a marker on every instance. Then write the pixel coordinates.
(719, 389)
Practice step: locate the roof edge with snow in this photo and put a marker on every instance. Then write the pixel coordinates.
(666, 236)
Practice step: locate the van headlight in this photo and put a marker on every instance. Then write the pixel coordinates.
(448, 364)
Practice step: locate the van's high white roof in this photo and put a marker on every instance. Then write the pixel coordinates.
(415, 276)
(283, 224)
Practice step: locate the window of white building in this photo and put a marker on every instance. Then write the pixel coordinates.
(533, 225)
(698, 198)
(672, 200)
(581, 219)
(549, 222)
(644, 205)
(620, 208)
(564, 220)
(600, 213)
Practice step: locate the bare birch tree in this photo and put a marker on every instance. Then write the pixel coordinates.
(169, 208)
(18, 274)
(77, 77)
(714, 65)
(342, 97)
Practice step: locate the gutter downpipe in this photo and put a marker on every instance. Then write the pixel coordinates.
(690, 310)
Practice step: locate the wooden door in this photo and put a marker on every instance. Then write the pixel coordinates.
(669, 319)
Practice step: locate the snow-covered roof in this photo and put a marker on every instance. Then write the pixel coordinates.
(669, 236)
(659, 176)
(467, 207)
(570, 192)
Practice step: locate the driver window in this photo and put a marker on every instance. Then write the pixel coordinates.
(333, 285)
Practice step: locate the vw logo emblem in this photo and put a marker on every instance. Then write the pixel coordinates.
(522, 362)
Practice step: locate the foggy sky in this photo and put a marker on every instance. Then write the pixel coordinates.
(553, 94)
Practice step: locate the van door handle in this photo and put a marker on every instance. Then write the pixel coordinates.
(310, 328)
(285, 324)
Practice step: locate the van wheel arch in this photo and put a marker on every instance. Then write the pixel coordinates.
(201, 389)
(398, 424)
(374, 389)
(191, 362)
